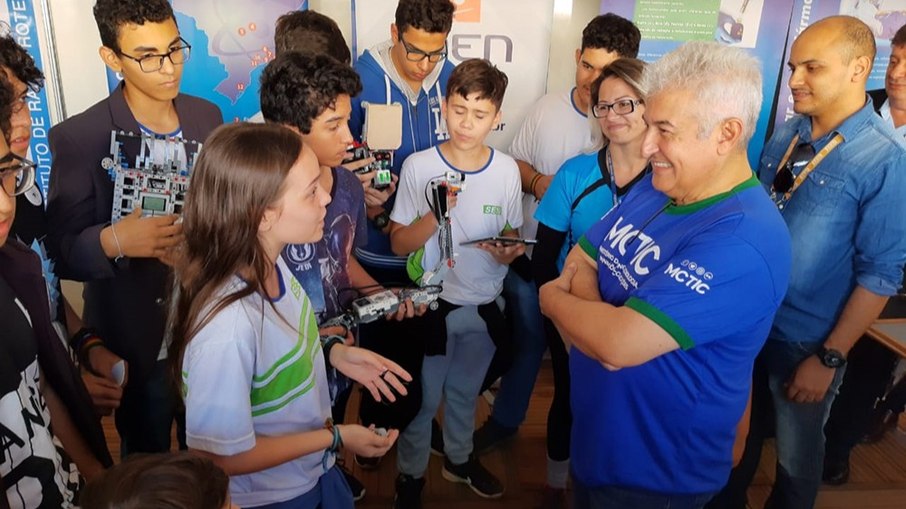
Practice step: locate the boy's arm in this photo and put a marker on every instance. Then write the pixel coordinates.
(81, 246)
(406, 239)
(531, 180)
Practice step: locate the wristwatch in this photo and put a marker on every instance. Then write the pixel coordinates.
(381, 220)
(830, 357)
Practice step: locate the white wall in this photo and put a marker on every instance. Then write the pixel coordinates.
(84, 81)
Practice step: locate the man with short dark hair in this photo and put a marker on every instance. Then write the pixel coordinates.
(835, 173)
(124, 264)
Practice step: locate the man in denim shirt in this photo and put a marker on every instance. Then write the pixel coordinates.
(849, 245)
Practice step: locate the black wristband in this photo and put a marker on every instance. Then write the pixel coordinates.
(327, 344)
(79, 338)
(381, 220)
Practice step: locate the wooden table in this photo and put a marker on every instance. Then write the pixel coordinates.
(890, 332)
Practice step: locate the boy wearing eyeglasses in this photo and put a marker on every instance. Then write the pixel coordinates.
(42, 464)
(30, 225)
(410, 70)
(124, 264)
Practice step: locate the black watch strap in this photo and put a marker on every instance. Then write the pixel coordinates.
(381, 220)
(830, 357)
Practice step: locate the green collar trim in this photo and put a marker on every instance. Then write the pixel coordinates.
(707, 202)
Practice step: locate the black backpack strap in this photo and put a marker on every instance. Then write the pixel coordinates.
(594, 186)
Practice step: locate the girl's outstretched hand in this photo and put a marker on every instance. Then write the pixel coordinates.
(376, 373)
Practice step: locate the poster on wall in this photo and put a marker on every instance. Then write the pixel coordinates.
(26, 22)
(884, 17)
(232, 41)
(482, 29)
(758, 26)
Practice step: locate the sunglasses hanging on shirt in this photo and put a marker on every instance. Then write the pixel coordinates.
(800, 159)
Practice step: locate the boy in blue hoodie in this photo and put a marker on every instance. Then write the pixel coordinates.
(410, 69)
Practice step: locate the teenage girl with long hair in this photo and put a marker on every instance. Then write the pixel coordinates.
(245, 340)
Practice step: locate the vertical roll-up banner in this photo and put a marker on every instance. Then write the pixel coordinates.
(29, 24)
(884, 17)
(513, 34)
(232, 41)
(758, 26)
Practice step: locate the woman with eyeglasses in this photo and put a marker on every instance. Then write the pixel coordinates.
(584, 189)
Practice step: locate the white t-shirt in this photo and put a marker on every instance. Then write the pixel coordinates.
(487, 205)
(251, 372)
(553, 131)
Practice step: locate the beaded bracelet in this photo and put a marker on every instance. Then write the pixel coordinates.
(335, 444)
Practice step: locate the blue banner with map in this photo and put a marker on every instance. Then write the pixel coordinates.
(884, 17)
(758, 26)
(232, 41)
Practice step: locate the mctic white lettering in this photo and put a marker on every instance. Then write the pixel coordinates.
(688, 279)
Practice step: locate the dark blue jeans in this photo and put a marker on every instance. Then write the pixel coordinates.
(529, 343)
(145, 417)
(799, 427)
(331, 492)
(799, 431)
(611, 497)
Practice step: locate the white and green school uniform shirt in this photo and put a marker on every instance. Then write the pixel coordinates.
(252, 372)
(712, 274)
(488, 205)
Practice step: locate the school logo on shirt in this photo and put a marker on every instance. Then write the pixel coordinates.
(691, 275)
(494, 210)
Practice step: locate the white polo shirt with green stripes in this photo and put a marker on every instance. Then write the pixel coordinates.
(253, 372)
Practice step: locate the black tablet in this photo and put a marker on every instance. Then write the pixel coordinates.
(500, 239)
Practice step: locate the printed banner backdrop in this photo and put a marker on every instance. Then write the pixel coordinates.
(884, 17)
(232, 41)
(759, 26)
(26, 25)
(482, 29)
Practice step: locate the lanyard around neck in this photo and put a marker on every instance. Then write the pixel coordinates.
(613, 179)
(812, 164)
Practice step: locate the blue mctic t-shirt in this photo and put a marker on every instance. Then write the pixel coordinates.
(712, 274)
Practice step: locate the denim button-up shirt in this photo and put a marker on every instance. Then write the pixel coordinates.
(847, 221)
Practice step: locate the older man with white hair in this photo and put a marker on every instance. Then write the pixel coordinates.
(668, 299)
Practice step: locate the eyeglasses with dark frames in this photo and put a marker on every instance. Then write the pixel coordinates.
(785, 177)
(621, 107)
(417, 55)
(17, 174)
(153, 63)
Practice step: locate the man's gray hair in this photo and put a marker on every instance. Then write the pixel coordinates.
(725, 82)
